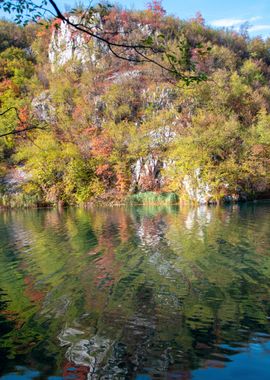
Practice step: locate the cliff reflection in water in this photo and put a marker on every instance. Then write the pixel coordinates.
(121, 293)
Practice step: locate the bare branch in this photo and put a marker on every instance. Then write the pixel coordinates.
(18, 131)
(141, 50)
(10, 109)
(147, 59)
(129, 59)
(137, 48)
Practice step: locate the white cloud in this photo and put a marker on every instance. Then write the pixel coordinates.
(229, 22)
(258, 28)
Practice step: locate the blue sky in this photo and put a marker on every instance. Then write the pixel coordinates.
(226, 13)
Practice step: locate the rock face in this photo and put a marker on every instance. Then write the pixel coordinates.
(14, 179)
(146, 175)
(161, 98)
(162, 136)
(43, 108)
(124, 76)
(196, 189)
(201, 193)
(67, 44)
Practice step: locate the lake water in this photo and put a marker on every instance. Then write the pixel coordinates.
(140, 293)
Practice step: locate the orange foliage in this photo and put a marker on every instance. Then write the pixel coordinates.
(24, 114)
(101, 169)
(30, 291)
(105, 173)
(90, 131)
(257, 149)
(23, 117)
(7, 84)
(118, 17)
(122, 183)
(101, 146)
(78, 113)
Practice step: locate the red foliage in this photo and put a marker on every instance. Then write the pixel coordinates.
(198, 18)
(124, 17)
(117, 17)
(155, 6)
(90, 131)
(74, 371)
(148, 182)
(55, 23)
(115, 21)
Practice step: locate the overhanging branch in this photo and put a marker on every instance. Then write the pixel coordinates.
(23, 123)
(18, 131)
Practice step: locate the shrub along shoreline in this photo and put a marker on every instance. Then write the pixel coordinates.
(20, 201)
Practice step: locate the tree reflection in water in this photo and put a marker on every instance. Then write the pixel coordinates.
(133, 293)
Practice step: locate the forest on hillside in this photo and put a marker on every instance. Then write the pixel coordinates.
(109, 130)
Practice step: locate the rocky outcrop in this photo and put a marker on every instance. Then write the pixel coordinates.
(43, 108)
(14, 179)
(120, 77)
(68, 44)
(146, 174)
(196, 189)
(82, 350)
(162, 136)
(161, 98)
(11, 188)
(201, 192)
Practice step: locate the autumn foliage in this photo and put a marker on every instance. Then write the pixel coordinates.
(115, 127)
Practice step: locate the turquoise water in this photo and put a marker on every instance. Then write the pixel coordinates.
(136, 293)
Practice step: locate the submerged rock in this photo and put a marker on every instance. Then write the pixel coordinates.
(84, 351)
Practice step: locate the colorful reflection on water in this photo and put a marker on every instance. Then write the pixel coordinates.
(136, 293)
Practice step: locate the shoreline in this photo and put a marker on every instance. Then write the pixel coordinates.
(100, 204)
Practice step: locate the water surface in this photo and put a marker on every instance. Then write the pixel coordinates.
(139, 293)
